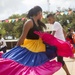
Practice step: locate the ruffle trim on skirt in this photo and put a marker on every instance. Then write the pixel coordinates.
(26, 57)
(34, 45)
(63, 48)
(10, 67)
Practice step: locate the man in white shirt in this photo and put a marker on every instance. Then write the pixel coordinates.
(58, 32)
(3, 45)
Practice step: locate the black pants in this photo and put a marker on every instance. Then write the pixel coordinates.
(3, 49)
(60, 59)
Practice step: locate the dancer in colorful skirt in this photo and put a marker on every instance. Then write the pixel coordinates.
(31, 55)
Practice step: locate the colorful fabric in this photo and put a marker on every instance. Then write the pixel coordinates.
(28, 60)
(34, 45)
(69, 40)
(10, 67)
(63, 48)
(26, 57)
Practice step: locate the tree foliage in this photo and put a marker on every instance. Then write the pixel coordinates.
(15, 28)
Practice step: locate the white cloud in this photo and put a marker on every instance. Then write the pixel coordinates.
(9, 7)
(54, 4)
(33, 3)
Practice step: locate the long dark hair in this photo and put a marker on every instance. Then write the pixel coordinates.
(33, 12)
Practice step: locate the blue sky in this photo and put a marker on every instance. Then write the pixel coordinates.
(10, 7)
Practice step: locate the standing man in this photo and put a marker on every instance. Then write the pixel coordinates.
(58, 32)
(3, 45)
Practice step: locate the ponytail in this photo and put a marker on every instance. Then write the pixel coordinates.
(41, 25)
(30, 13)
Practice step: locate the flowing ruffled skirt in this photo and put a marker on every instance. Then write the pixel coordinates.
(30, 60)
(64, 49)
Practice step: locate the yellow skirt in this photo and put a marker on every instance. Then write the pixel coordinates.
(34, 45)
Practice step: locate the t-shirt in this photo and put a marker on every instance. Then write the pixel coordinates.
(50, 27)
(4, 43)
(59, 31)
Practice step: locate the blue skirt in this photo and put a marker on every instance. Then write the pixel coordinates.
(26, 57)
